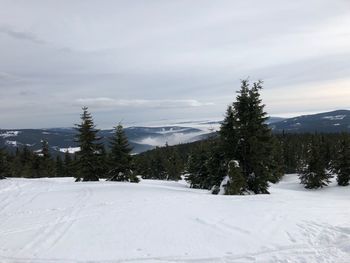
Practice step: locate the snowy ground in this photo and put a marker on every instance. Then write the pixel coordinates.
(57, 220)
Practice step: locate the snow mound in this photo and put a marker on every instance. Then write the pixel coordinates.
(57, 220)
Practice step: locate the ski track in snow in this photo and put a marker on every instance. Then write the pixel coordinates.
(59, 221)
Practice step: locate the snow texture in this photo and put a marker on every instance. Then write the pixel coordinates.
(9, 134)
(334, 118)
(70, 150)
(57, 220)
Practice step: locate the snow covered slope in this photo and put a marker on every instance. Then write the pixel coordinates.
(57, 220)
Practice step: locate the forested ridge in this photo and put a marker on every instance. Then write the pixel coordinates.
(243, 157)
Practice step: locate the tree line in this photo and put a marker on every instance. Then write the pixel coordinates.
(243, 157)
(90, 163)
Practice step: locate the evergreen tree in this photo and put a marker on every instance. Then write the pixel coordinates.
(342, 162)
(172, 164)
(4, 165)
(46, 165)
(276, 164)
(156, 169)
(60, 169)
(68, 165)
(103, 165)
(313, 172)
(228, 134)
(216, 168)
(236, 184)
(254, 143)
(120, 157)
(89, 148)
(197, 170)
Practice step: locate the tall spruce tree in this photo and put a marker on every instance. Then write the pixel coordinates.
(120, 157)
(342, 161)
(89, 148)
(255, 146)
(313, 171)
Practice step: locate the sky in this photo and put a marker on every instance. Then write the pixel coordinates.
(145, 61)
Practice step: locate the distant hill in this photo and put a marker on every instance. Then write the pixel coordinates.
(62, 139)
(147, 138)
(327, 122)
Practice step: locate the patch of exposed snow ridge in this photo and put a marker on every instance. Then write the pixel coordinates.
(334, 118)
(9, 134)
(12, 143)
(70, 150)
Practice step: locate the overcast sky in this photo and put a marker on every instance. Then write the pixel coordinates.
(150, 60)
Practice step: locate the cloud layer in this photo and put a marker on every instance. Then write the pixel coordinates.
(151, 60)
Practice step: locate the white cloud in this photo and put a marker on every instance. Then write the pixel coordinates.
(103, 102)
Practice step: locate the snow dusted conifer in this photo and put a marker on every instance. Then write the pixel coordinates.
(254, 138)
(89, 148)
(236, 183)
(313, 171)
(120, 157)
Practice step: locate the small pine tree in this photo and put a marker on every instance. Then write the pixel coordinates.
(46, 164)
(89, 148)
(236, 184)
(313, 172)
(342, 162)
(120, 157)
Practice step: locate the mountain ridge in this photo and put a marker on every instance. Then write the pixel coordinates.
(143, 138)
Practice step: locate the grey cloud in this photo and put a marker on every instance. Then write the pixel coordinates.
(27, 36)
(150, 60)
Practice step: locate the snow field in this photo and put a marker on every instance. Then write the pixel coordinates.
(57, 220)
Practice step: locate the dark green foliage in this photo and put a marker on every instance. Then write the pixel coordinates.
(276, 163)
(229, 134)
(89, 148)
(163, 163)
(236, 184)
(216, 167)
(4, 164)
(69, 167)
(60, 169)
(255, 138)
(313, 170)
(120, 158)
(197, 169)
(156, 169)
(103, 163)
(342, 162)
(172, 164)
(44, 162)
